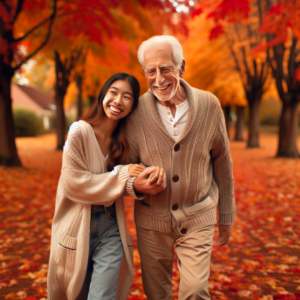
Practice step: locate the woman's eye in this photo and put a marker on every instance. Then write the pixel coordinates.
(113, 92)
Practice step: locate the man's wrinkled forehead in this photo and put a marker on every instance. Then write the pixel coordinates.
(158, 55)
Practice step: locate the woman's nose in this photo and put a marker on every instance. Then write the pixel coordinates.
(118, 100)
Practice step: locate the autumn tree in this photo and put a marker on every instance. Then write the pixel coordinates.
(209, 67)
(71, 20)
(281, 24)
(241, 29)
(16, 18)
(279, 21)
(70, 53)
(12, 33)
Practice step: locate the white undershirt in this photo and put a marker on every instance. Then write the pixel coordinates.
(174, 125)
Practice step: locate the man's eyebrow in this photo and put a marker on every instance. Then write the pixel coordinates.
(149, 68)
(165, 65)
(161, 66)
(113, 87)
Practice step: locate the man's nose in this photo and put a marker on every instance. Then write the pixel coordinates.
(159, 78)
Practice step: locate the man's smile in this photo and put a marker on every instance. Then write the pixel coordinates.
(163, 88)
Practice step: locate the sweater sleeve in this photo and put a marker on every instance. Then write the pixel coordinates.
(132, 157)
(82, 186)
(222, 169)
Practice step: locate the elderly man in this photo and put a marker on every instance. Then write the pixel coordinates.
(181, 130)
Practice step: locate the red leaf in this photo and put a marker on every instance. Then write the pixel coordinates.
(197, 12)
(216, 32)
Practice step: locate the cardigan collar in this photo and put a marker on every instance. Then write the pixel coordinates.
(150, 102)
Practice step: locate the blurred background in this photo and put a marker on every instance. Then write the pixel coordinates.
(55, 55)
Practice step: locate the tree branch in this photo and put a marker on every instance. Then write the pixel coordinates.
(18, 9)
(279, 55)
(264, 72)
(246, 64)
(260, 12)
(292, 59)
(276, 76)
(41, 24)
(52, 17)
(33, 29)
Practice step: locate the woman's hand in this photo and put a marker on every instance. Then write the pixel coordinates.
(135, 170)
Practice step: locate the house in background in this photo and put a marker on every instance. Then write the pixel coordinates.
(42, 104)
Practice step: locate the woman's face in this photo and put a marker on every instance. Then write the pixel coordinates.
(118, 101)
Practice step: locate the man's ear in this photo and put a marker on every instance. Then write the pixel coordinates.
(182, 69)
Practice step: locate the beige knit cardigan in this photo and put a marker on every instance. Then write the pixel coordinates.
(198, 166)
(77, 190)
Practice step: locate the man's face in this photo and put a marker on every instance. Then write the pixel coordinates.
(161, 73)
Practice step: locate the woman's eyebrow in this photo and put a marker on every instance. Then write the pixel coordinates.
(129, 93)
(113, 87)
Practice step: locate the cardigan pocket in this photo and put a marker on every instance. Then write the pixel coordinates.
(66, 252)
(198, 207)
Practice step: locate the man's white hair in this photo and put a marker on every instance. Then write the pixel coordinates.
(158, 42)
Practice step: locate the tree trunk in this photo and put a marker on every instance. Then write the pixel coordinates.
(227, 110)
(60, 119)
(92, 99)
(287, 146)
(8, 150)
(253, 131)
(79, 97)
(60, 92)
(239, 129)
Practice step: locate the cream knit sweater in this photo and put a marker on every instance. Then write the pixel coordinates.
(77, 190)
(198, 166)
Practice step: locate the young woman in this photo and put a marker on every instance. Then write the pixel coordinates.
(89, 239)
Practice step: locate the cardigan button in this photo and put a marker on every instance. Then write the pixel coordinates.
(175, 206)
(175, 178)
(177, 147)
(183, 230)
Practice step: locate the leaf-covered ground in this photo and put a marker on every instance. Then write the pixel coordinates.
(261, 262)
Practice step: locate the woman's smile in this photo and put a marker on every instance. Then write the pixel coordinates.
(115, 110)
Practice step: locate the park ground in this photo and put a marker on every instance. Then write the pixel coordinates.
(262, 260)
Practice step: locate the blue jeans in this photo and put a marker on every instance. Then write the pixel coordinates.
(105, 258)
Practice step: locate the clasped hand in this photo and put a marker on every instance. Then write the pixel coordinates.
(151, 180)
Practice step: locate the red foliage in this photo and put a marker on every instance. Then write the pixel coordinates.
(283, 15)
(216, 31)
(231, 11)
(197, 12)
(261, 261)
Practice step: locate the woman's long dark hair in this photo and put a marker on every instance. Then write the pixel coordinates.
(119, 147)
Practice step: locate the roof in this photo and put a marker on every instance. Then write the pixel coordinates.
(43, 100)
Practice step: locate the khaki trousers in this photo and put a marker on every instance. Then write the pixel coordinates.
(156, 250)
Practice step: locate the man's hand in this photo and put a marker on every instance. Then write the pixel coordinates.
(225, 232)
(135, 170)
(152, 185)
